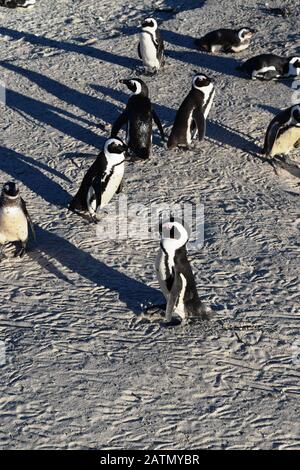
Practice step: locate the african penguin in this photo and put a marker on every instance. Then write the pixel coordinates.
(151, 46)
(175, 275)
(102, 181)
(14, 218)
(192, 114)
(271, 67)
(283, 133)
(17, 3)
(138, 117)
(225, 40)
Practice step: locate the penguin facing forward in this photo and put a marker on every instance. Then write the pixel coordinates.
(283, 133)
(14, 219)
(225, 40)
(271, 67)
(138, 117)
(192, 114)
(175, 275)
(102, 181)
(17, 3)
(151, 46)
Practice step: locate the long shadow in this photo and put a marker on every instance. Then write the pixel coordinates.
(50, 115)
(88, 104)
(133, 293)
(184, 6)
(93, 52)
(28, 170)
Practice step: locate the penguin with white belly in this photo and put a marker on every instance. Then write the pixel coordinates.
(138, 117)
(17, 3)
(102, 181)
(191, 116)
(14, 219)
(271, 67)
(151, 46)
(225, 40)
(283, 133)
(175, 275)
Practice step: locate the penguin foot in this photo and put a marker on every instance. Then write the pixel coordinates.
(20, 253)
(154, 309)
(175, 321)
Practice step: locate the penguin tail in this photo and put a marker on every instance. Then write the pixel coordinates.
(199, 44)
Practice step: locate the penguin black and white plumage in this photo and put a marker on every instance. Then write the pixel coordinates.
(225, 40)
(271, 67)
(138, 117)
(192, 114)
(151, 46)
(283, 133)
(175, 275)
(17, 3)
(14, 218)
(102, 181)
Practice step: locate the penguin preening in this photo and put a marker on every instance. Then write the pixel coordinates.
(175, 275)
(151, 46)
(17, 3)
(102, 181)
(271, 67)
(225, 40)
(283, 133)
(14, 219)
(138, 117)
(192, 114)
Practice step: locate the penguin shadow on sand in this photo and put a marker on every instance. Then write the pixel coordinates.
(224, 64)
(52, 115)
(131, 292)
(32, 174)
(87, 50)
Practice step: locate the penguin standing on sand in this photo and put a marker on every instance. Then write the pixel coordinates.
(151, 46)
(271, 67)
(283, 133)
(175, 275)
(192, 114)
(138, 117)
(17, 3)
(14, 219)
(102, 181)
(225, 40)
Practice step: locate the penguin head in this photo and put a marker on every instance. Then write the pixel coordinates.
(136, 86)
(245, 34)
(149, 25)
(115, 150)
(296, 114)
(201, 80)
(173, 233)
(295, 62)
(10, 190)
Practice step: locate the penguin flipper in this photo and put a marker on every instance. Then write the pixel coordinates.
(269, 75)
(271, 136)
(120, 188)
(120, 122)
(24, 208)
(96, 185)
(139, 51)
(200, 120)
(159, 124)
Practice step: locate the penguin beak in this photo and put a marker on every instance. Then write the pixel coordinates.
(124, 81)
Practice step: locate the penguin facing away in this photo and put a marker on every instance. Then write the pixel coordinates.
(17, 3)
(175, 275)
(151, 46)
(138, 117)
(225, 40)
(192, 114)
(271, 67)
(14, 219)
(283, 133)
(102, 181)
